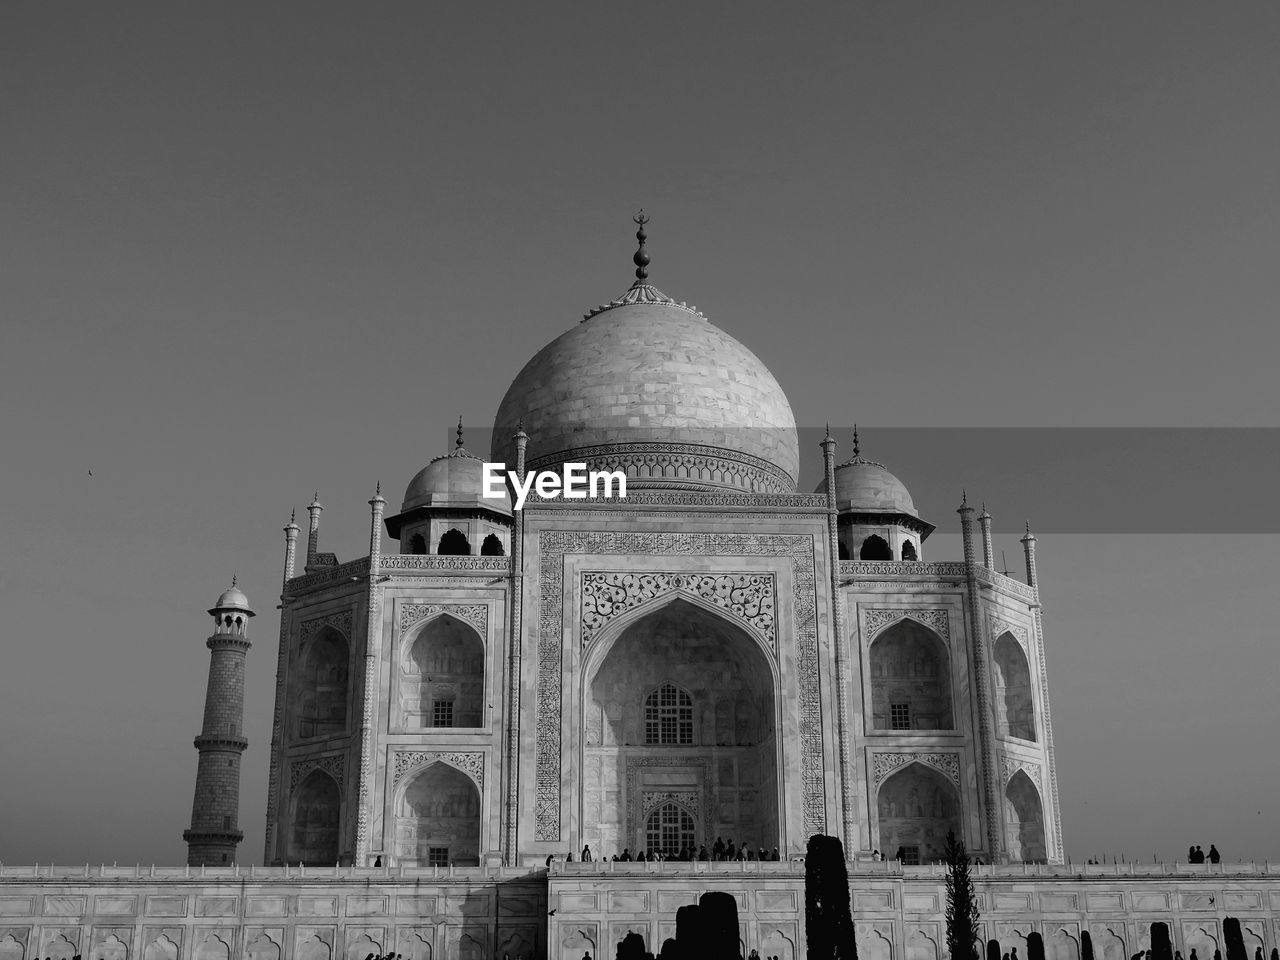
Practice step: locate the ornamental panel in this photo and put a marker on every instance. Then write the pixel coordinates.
(475, 614)
(1009, 766)
(405, 762)
(884, 764)
(748, 597)
(340, 621)
(936, 619)
(335, 765)
(1001, 626)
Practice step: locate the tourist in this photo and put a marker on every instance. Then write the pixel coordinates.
(717, 851)
(586, 853)
(569, 857)
(902, 855)
(1191, 854)
(1214, 855)
(626, 854)
(776, 855)
(702, 853)
(731, 852)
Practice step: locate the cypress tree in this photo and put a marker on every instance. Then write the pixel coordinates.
(1035, 946)
(1234, 938)
(993, 950)
(1161, 946)
(962, 902)
(828, 920)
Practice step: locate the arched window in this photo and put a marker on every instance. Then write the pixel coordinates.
(668, 829)
(322, 695)
(454, 544)
(316, 807)
(418, 545)
(909, 550)
(910, 679)
(875, 548)
(1015, 710)
(668, 716)
(492, 546)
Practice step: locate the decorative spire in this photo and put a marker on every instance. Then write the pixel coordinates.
(458, 442)
(857, 450)
(641, 259)
(233, 580)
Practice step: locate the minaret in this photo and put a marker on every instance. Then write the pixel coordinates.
(290, 545)
(1029, 548)
(313, 534)
(988, 551)
(214, 831)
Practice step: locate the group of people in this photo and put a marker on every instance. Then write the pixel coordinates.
(719, 851)
(1196, 855)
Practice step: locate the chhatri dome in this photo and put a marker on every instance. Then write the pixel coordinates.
(647, 385)
(866, 486)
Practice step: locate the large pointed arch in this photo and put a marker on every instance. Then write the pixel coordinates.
(916, 806)
(441, 681)
(730, 678)
(321, 690)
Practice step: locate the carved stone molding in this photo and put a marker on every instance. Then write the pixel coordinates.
(901, 568)
(334, 764)
(1001, 626)
(475, 614)
(1011, 765)
(685, 466)
(688, 799)
(340, 621)
(884, 764)
(405, 762)
(667, 497)
(936, 619)
(553, 547)
(747, 596)
(418, 561)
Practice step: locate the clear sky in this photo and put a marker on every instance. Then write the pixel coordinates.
(248, 251)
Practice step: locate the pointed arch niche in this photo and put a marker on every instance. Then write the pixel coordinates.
(437, 818)
(910, 679)
(717, 757)
(1025, 816)
(321, 689)
(442, 675)
(315, 819)
(916, 806)
(1015, 707)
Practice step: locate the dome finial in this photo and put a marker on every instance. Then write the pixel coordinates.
(856, 449)
(641, 259)
(233, 580)
(458, 442)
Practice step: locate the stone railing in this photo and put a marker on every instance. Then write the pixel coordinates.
(875, 569)
(42, 872)
(445, 564)
(892, 868)
(1007, 584)
(343, 571)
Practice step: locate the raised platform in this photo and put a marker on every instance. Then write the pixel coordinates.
(178, 913)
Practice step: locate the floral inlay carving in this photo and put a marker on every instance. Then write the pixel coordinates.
(936, 619)
(475, 614)
(335, 765)
(686, 798)
(408, 761)
(1011, 765)
(747, 596)
(340, 621)
(884, 764)
(1001, 626)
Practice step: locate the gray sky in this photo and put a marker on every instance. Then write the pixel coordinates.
(248, 251)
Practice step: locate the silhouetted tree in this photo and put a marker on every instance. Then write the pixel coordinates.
(1086, 946)
(1161, 946)
(718, 917)
(631, 947)
(690, 932)
(993, 950)
(962, 902)
(1035, 946)
(1234, 938)
(828, 921)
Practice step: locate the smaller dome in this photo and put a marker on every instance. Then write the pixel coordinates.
(233, 599)
(455, 480)
(865, 486)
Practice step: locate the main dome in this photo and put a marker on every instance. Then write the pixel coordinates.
(649, 386)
